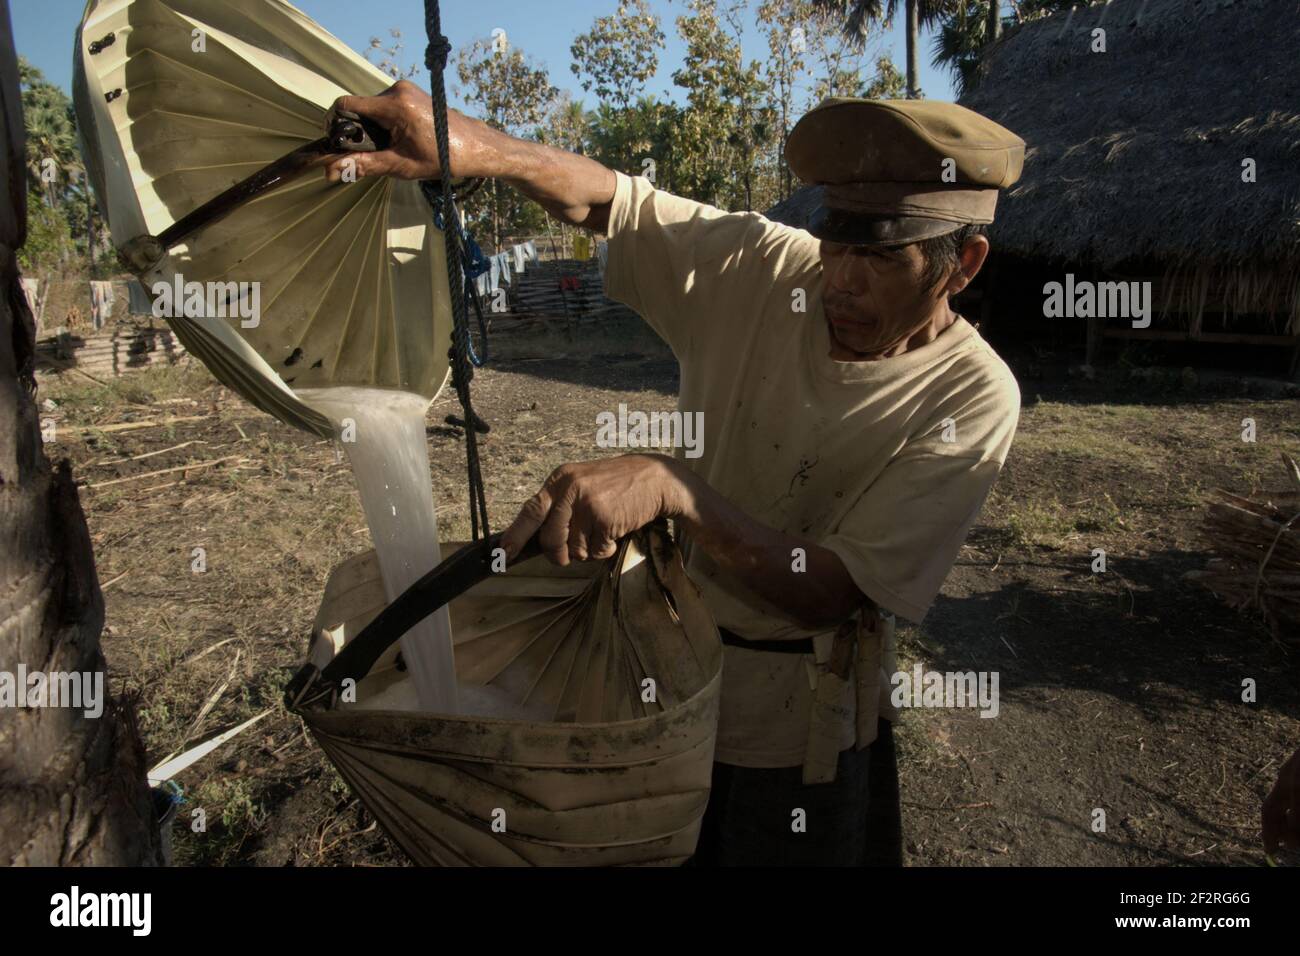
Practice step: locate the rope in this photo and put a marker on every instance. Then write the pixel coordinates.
(462, 367)
(475, 264)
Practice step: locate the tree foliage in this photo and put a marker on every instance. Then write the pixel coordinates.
(512, 93)
(388, 58)
(61, 208)
(964, 34)
(887, 84)
(721, 139)
(727, 118)
(619, 53)
(638, 140)
(509, 92)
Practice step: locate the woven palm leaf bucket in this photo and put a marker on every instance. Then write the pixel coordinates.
(579, 768)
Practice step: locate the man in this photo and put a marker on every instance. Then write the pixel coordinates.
(853, 424)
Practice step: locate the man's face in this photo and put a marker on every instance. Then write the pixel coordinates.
(875, 298)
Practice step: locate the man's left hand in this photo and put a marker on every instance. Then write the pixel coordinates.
(584, 508)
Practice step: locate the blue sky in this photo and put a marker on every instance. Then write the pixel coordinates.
(44, 30)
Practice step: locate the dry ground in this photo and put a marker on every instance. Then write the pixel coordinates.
(1119, 691)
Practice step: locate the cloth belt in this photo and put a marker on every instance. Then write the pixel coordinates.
(853, 667)
(799, 646)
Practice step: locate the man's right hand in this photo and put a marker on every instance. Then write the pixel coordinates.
(406, 111)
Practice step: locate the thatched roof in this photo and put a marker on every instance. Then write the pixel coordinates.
(1136, 153)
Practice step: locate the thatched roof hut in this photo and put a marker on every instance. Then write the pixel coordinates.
(1135, 156)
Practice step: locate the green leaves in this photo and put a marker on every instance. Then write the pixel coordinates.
(619, 53)
(512, 93)
(58, 200)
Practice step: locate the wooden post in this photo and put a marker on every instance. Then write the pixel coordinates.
(1096, 328)
(74, 780)
(1092, 352)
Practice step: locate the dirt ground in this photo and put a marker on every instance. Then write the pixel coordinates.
(1119, 691)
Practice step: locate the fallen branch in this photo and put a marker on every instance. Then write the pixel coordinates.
(192, 466)
(148, 454)
(215, 696)
(132, 426)
(108, 584)
(173, 765)
(206, 651)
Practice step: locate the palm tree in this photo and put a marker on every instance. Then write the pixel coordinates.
(994, 29)
(960, 42)
(50, 135)
(971, 26)
(51, 128)
(859, 15)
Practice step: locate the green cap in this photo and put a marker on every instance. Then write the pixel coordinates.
(898, 171)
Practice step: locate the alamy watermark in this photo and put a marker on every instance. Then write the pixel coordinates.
(214, 300)
(75, 908)
(921, 688)
(82, 690)
(637, 429)
(1098, 300)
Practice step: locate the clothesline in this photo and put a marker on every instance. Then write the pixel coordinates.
(503, 266)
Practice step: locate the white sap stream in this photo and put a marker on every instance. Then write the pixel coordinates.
(390, 461)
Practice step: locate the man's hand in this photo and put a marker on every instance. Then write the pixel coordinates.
(586, 507)
(573, 188)
(406, 111)
(1281, 811)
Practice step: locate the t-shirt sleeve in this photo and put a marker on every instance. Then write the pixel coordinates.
(900, 540)
(688, 268)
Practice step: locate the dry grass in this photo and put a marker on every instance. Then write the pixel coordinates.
(1129, 475)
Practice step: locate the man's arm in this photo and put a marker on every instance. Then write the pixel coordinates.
(823, 594)
(570, 187)
(584, 508)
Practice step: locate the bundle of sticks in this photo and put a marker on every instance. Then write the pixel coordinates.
(1256, 543)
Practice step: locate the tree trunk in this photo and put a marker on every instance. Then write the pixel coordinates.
(496, 218)
(994, 29)
(90, 225)
(72, 787)
(913, 37)
(786, 175)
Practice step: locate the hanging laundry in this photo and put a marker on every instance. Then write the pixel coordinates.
(530, 249)
(494, 273)
(581, 248)
(504, 258)
(602, 253)
(101, 302)
(519, 258)
(139, 301)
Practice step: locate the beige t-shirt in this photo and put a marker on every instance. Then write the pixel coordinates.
(886, 463)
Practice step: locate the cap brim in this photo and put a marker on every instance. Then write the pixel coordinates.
(854, 229)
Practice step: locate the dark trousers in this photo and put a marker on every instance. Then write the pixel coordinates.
(853, 821)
